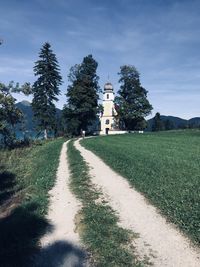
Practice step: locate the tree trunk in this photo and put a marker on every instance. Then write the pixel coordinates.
(45, 134)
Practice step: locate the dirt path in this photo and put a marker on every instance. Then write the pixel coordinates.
(61, 246)
(157, 238)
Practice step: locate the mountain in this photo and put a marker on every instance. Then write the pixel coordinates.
(29, 124)
(26, 109)
(177, 122)
(195, 122)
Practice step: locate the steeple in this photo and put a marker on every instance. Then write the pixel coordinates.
(107, 118)
(108, 87)
(108, 92)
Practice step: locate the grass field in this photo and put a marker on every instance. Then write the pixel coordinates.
(164, 166)
(98, 225)
(26, 176)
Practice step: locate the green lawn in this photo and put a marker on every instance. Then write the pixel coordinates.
(26, 176)
(164, 166)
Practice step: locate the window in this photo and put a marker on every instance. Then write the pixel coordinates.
(107, 121)
(107, 96)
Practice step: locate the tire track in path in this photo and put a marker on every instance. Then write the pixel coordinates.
(61, 246)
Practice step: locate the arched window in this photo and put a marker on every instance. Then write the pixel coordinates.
(107, 121)
(107, 96)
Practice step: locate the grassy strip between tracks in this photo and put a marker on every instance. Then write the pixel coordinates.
(98, 223)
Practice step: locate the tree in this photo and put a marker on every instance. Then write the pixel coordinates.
(26, 89)
(158, 124)
(46, 88)
(169, 125)
(10, 115)
(82, 105)
(132, 103)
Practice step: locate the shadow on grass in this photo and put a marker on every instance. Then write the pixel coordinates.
(19, 235)
(7, 183)
(21, 228)
(60, 254)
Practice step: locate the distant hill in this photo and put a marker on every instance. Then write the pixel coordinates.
(29, 123)
(194, 121)
(177, 122)
(27, 111)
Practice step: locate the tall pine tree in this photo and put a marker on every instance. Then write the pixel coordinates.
(132, 103)
(82, 107)
(46, 88)
(158, 124)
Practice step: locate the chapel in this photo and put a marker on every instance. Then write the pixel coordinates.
(107, 117)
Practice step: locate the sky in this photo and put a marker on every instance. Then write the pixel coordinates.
(161, 38)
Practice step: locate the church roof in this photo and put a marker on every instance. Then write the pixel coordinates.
(108, 87)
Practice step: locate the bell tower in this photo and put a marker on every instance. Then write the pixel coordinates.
(107, 118)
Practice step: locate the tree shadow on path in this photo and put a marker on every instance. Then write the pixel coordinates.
(20, 232)
(60, 254)
(21, 228)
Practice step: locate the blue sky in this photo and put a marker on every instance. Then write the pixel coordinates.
(160, 37)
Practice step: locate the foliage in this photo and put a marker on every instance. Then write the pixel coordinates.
(10, 115)
(46, 88)
(169, 125)
(158, 124)
(26, 176)
(105, 239)
(132, 103)
(26, 89)
(82, 107)
(164, 167)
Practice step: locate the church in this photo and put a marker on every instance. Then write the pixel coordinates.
(107, 118)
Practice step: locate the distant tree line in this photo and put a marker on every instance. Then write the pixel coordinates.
(162, 125)
(82, 106)
(159, 124)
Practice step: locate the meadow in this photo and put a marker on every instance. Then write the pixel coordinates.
(26, 176)
(164, 167)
